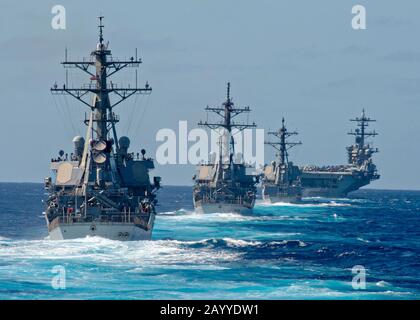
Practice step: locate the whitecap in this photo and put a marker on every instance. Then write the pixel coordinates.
(240, 243)
(382, 283)
(176, 212)
(100, 250)
(304, 205)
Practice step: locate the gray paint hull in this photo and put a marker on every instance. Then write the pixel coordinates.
(124, 231)
(328, 184)
(117, 231)
(277, 198)
(273, 194)
(324, 192)
(221, 208)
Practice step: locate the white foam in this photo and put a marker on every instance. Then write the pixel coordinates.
(192, 215)
(177, 212)
(382, 283)
(304, 205)
(240, 243)
(284, 242)
(137, 253)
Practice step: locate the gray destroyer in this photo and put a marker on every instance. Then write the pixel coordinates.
(223, 185)
(338, 181)
(101, 189)
(281, 179)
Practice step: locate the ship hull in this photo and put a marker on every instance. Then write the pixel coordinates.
(324, 192)
(273, 194)
(281, 198)
(331, 184)
(124, 231)
(221, 208)
(112, 231)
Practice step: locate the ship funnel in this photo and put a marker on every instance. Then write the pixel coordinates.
(124, 143)
(79, 145)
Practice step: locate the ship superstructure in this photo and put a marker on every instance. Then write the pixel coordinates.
(339, 180)
(281, 179)
(223, 184)
(101, 189)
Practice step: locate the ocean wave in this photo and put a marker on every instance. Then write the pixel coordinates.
(229, 217)
(176, 212)
(382, 284)
(139, 252)
(240, 243)
(277, 252)
(340, 200)
(189, 215)
(103, 250)
(347, 254)
(304, 205)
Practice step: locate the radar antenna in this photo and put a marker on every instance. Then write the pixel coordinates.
(361, 134)
(227, 112)
(282, 146)
(100, 67)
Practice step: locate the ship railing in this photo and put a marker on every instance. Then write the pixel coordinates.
(122, 217)
(110, 118)
(207, 199)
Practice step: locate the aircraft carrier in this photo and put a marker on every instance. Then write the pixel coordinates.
(223, 184)
(101, 189)
(281, 179)
(337, 181)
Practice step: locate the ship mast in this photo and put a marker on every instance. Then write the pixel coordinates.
(282, 146)
(227, 112)
(361, 134)
(100, 67)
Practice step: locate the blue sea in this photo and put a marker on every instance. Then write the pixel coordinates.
(281, 251)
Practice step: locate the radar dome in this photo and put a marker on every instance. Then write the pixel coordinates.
(79, 145)
(124, 142)
(78, 140)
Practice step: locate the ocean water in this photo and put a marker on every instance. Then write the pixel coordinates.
(280, 251)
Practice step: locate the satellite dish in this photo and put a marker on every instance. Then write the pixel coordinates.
(99, 157)
(99, 145)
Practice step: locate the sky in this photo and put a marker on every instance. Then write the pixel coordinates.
(301, 60)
